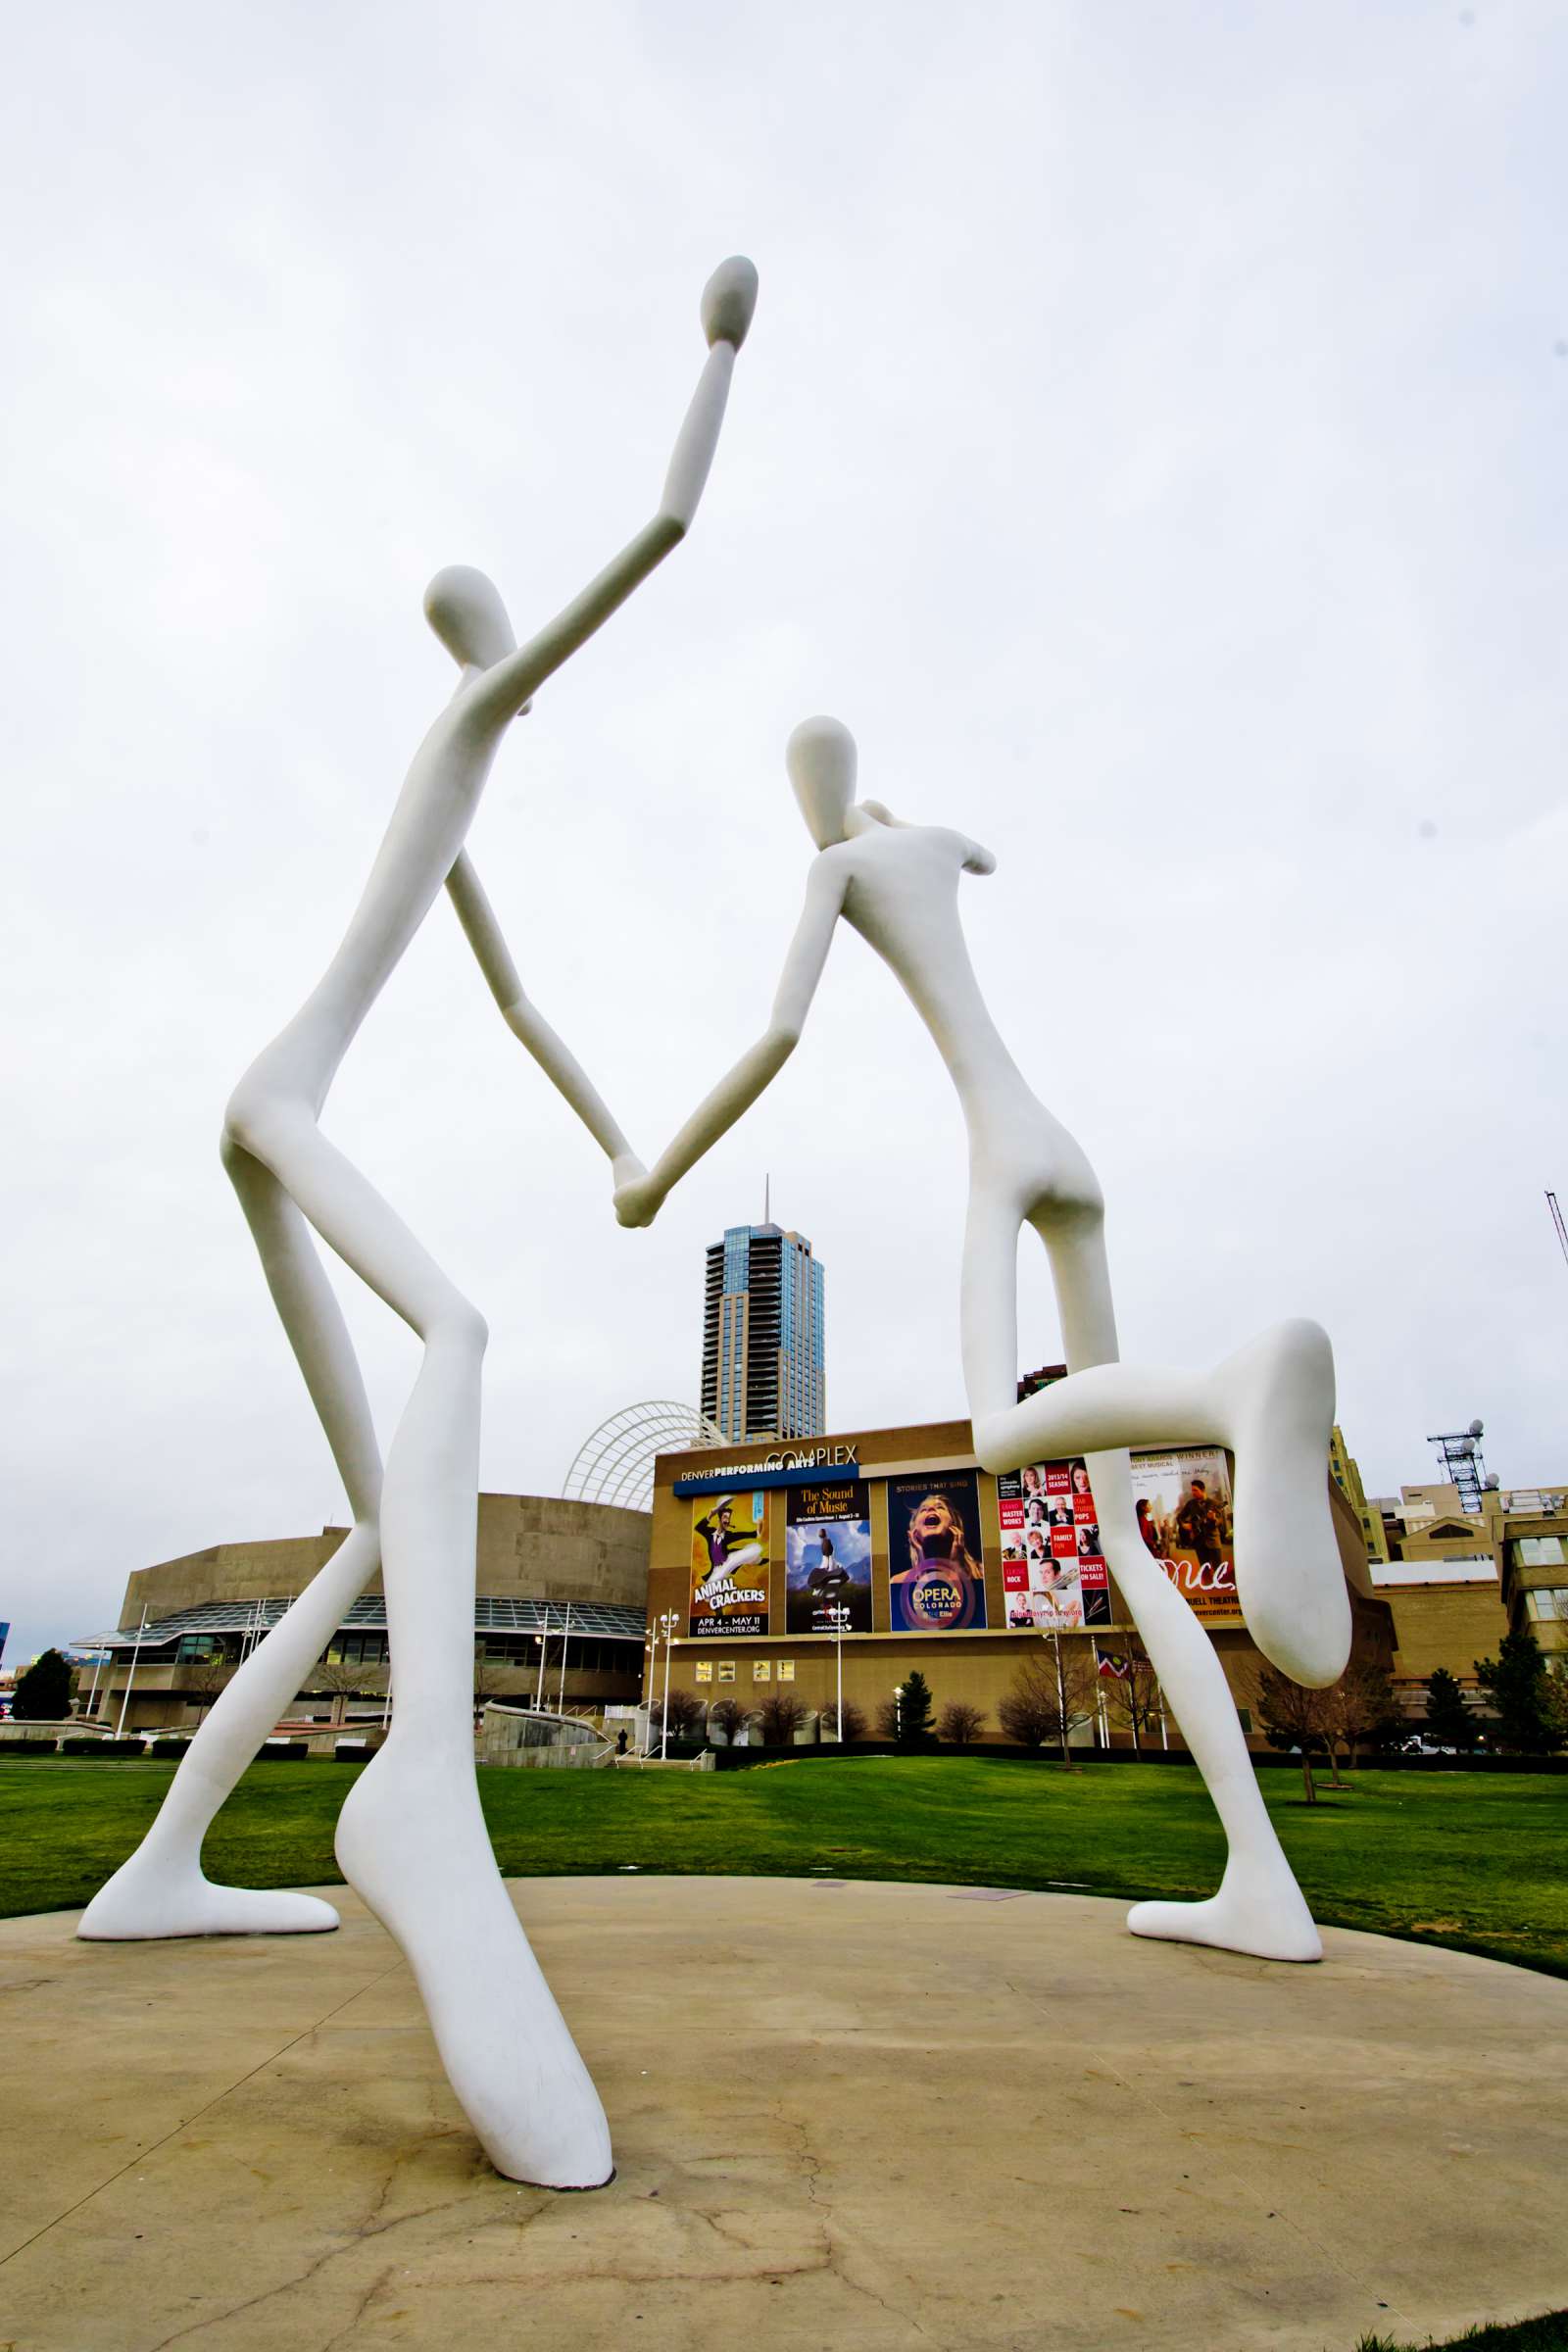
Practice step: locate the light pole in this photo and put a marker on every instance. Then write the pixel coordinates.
(668, 1621)
(1061, 1695)
(543, 1640)
(119, 1728)
(564, 1639)
(838, 1659)
(897, 1714)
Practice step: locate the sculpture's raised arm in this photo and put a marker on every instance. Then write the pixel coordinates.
(560, 1065)
(728, 301)
(638, 1202)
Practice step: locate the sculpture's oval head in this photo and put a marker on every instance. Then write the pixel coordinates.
(465, 612)
(820, 758)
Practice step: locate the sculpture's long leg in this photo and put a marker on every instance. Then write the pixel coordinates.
(1272, 1403)
(412, 1839)
(1258, 1907)
(161, 1889)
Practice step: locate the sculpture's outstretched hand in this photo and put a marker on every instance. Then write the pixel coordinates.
(638, 1198)
(729, 299)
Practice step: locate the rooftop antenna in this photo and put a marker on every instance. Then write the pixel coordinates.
(1460, 1453)
(1556, 1218)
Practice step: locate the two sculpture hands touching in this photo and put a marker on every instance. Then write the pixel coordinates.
(638, 1198)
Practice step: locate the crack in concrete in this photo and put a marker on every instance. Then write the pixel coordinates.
(312, 2269)
(145, 2155)
(364, 2302)
(810, 2170)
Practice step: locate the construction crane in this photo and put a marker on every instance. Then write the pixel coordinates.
(1556, 1218)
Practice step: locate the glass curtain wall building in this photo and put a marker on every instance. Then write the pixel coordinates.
(763, 1335)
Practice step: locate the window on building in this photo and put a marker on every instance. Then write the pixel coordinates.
(704, 1670)
(761, 1670)
(1540, 1551)
(1547, 1603)
(726, 1670)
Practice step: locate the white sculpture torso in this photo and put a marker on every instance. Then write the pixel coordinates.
(901, 893)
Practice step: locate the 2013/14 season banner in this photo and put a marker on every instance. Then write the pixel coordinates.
(827, 1554)
(936, 1560)
(1054, 1572)
(1183, 1501)
(729, 1564)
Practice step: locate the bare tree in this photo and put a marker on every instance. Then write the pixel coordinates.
(850, 1720)
(1132, 1696)
(205, 1678)
(782, 1715)
(492, 1677)
(685, 1712)
(728, 1716)
(331, 1677)
(960, 1725)
(1358, 1710)
(1293, 1718)
(887, 1719)
(1050, 1696)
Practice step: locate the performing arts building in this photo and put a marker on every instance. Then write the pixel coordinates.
(845, 1562)
(558, 1620)
(842, 1563)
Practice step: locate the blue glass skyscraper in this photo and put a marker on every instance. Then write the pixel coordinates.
(763, 1335)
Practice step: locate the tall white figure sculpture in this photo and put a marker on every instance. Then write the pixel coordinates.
(412, 1839)
(1273, 1404)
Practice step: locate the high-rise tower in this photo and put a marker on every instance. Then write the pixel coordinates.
(763, 1335)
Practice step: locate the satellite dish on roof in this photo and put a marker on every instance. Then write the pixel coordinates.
(1477, 1429)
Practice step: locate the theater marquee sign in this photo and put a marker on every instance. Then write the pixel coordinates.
(784, 1466)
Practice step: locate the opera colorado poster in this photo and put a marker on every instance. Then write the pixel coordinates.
(936, 1564)
(827, 1551)
(729, 1564)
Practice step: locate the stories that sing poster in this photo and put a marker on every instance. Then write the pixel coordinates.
(827, 1551)
(730, 1564)
(1054, 1572)
(936, 1561)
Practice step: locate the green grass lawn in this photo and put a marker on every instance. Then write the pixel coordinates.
(1472, 1860)
(1548, 2335)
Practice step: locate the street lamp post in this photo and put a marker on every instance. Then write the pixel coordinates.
(543, 1640)
(1061, 1695)
(669, 1622)
(838, 1659)
(119, 1728)
(897, 1714)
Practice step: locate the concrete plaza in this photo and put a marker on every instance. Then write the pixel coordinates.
(845, 2116)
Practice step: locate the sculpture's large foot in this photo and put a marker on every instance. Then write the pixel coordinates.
(411, 1842)
(1269, 1918)
(1276, 1399)
(146, 1900)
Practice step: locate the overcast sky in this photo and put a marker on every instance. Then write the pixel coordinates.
(1151, 441)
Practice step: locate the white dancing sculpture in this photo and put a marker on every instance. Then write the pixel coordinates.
(1273, 1404)
(412, 1840)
